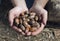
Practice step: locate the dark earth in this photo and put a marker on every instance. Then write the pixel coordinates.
(50, 33)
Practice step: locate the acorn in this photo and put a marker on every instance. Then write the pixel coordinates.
(26, 16)
(31, 22)
(22, 14)
(24, 19)
(36, 24)
(36, 18)
(27, 22)
(20, 21)
(27, 26)
(16, 21)
(27, 19)
(26, 12)
(21, 27)
(33, 29)
(32, 14)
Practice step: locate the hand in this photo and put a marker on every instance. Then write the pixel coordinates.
(15, 12)
(42, 13)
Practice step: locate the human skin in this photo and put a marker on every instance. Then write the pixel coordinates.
(38, 7)
(19, 7)
(41, 3)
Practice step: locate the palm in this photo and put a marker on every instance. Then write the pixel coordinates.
(42, 13)
(15, 12)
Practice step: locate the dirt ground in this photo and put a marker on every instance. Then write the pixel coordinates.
(8, 34)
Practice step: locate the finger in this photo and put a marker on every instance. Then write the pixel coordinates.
(29, 33)
(44, 17)
(11, 17)
(18, 29)
(20, 10)
(34, 33)
(39, 30)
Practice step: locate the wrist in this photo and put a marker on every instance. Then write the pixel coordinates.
(37, 5)
(20, 3)
(41, 3)
(20, 8)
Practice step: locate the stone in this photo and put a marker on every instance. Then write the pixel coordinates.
(57, 33)
(53, 8)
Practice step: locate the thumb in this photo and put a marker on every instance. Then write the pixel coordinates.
(44, 15)
(11, 17)
(31, 9)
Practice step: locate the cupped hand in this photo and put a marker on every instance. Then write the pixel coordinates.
(15, 12)
(42, 13)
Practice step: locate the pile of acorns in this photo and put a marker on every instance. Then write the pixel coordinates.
(27, 21)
